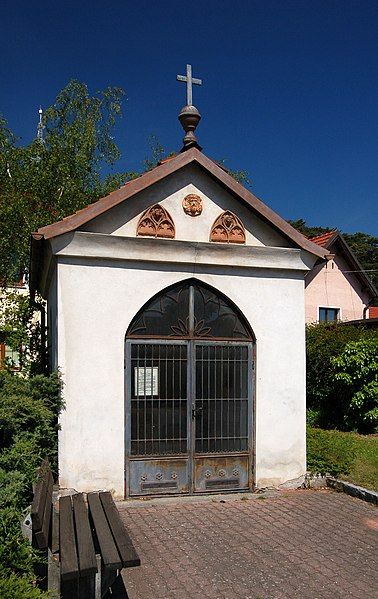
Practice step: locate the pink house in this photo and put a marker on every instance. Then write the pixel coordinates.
(339, 288)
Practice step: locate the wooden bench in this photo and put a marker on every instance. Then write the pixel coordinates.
(86, 547)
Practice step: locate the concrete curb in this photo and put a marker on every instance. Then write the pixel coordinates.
(353, 490)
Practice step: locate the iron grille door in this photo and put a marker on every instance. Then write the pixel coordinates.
(158, 399)
(157, 420)
(222, 415)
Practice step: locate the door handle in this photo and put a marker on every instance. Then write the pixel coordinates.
(196, 412)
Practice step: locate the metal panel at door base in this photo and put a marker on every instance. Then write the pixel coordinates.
(159, 477)
(221, 473)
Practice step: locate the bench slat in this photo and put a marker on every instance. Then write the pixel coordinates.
(121, 536)
(109, 552)
(39, 499)
(42, 536)
(69, 567)
(85, 547)
(55, 531)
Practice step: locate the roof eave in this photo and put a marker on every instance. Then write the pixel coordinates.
(352, 258)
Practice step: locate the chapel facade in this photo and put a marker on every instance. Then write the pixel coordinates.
(176, 317)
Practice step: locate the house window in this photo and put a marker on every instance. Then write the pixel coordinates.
(8, 356)
(328, 314)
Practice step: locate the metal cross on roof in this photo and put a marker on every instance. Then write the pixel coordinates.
(189, 80)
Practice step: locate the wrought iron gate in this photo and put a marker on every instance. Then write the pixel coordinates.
(188, 399)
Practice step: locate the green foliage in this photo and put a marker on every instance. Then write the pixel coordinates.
(28, 421)
(45, 181)
(241, 177)
(365, 247)
(15, 550)
(305, 229)
(29, 411)
(13, 586)
(327, 400)
(345, 455)
(156, 153)
(329, 452)
(356, 371)
(20, 328)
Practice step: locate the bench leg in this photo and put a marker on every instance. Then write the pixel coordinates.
(69, 589)
(98, 577)
(118, 589)
(87, 587)
(53, 577)
(107, 580)
(40, 568)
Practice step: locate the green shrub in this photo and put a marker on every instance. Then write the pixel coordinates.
(329, 452)
(326, 399)
(19, 587)
(357, 375)
(14, 489)
(16, 553)
(29, 411)
(349, 456)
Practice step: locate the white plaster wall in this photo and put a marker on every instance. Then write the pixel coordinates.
(52, 323)
(96, 302)
(170, 192)
(329, 286)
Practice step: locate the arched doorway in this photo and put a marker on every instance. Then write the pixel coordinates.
(189, 388)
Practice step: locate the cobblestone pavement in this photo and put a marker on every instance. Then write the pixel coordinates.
(308, 544)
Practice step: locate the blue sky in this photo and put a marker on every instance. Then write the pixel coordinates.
(290, 88)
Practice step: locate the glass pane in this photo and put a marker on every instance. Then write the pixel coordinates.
(221, 406)
(165, 316)
(168, 315)
(12, 357)
(158, 399)
(213, 317)
(328, 314)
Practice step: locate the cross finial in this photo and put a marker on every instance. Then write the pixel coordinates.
(189, 116)
(190, 81)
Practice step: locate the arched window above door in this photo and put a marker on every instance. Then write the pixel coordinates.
(190, 310)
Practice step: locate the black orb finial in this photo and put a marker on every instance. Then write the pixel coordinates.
(189, 118)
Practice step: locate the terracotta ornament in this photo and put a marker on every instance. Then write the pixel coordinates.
(156, 222)
(228, 228)
(192, 204)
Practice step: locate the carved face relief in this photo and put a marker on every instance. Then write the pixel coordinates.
(192, 204)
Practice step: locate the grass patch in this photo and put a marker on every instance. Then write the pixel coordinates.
(349, 456)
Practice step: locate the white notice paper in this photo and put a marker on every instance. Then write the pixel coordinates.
(146, 381)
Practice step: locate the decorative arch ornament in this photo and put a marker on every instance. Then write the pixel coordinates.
(190, 310)
(156, 222)
(228, 228)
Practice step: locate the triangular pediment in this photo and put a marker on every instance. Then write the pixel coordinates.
(189, 172)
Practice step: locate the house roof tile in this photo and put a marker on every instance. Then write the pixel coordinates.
(324, 238)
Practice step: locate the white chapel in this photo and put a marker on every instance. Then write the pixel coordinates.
(176, 318)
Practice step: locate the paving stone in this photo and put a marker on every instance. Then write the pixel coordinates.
(298, 544)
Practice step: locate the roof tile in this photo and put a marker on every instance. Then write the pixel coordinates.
(324, 238)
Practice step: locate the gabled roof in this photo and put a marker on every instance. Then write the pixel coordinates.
(166, 168)
(334, 242)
